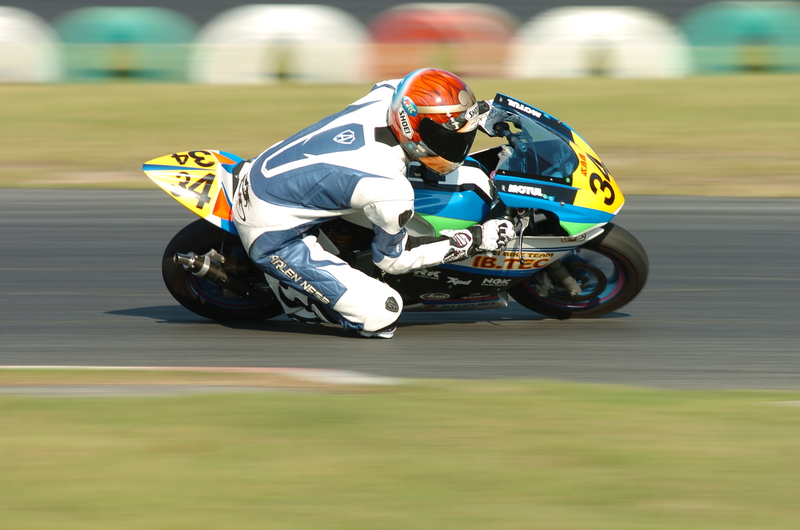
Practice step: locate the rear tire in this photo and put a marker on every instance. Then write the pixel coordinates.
(202, 296)
(611, 270)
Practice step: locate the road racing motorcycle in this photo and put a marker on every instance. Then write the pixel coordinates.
(568, 259)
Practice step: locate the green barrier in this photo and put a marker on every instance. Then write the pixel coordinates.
(105, 43)
(745, 36)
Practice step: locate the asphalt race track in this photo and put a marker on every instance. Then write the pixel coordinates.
(80, 285)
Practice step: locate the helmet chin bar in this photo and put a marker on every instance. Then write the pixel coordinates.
(439, 164)
(424, 155)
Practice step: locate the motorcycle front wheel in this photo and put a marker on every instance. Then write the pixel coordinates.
(610, 269)
(203, 297)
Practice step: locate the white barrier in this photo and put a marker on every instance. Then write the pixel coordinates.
(263, 43)
(29, 48)
(612, 41)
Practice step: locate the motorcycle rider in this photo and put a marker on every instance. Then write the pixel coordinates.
(356, 160)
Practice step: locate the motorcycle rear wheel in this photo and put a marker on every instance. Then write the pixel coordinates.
(611, 270)
(201, 296)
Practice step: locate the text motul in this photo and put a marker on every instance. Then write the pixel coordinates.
(525, 190)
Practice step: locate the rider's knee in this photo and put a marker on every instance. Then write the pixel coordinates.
(376, 308)
(386, 310)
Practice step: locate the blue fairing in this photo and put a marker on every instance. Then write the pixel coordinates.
(520, 192)
(236, 159)
(566, 212)
(464, 205)
(229, 227)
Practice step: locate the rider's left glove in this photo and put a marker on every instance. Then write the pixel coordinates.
(495, 235)
(493, 116)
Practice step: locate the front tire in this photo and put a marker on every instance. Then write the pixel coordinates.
(201, 296)
(611, 270)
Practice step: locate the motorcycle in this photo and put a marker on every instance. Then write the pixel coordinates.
(568, 259)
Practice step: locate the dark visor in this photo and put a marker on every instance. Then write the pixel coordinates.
(445, 143)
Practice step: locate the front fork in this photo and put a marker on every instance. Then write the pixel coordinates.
(564, 277)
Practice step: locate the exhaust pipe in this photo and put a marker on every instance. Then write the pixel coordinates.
(208, 269)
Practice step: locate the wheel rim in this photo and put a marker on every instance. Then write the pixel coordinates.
(600, 276)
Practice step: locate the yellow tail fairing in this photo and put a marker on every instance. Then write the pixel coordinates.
(195, 179)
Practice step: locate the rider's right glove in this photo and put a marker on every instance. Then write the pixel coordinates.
(491, 236)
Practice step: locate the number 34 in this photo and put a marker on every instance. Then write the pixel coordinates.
(197, 189)
(199, 158)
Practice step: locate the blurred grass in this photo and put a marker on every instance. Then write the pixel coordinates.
(726, 135)
(424, 455)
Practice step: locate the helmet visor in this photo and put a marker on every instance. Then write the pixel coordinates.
(450, 145)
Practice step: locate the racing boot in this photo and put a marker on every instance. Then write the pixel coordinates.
(385, 333)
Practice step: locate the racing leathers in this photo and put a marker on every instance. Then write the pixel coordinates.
(346, 163)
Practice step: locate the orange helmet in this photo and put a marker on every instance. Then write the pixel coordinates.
(434, 116)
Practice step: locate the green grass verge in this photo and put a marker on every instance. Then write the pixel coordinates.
(727, 135)
(422, 455)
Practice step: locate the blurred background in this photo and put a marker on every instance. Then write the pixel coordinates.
(680, 97)
(353, 41)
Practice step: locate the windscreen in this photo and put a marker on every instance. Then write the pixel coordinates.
(537, 150)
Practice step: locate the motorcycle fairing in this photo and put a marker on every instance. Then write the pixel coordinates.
(491, 301)
(454, 201)
(597, 197)
(446, 210)
(438, 289)
(200, 181)
(522, 192)
(519, 261)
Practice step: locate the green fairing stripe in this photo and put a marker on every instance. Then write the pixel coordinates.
(446, 223)
(576, 228)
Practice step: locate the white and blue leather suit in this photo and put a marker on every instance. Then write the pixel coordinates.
(346, 163)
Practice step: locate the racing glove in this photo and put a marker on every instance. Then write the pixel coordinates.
(495, 234)
(496, 117)
(491, 236)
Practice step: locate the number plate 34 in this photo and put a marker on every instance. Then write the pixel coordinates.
(193, 178)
